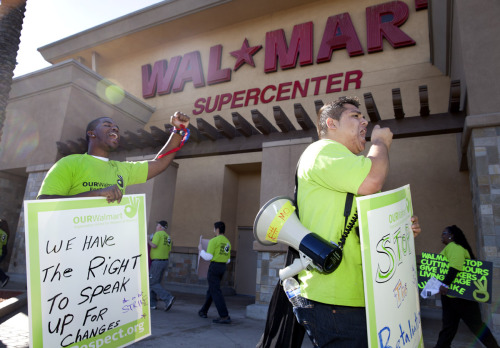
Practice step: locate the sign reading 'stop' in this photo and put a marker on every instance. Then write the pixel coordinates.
(382, 21)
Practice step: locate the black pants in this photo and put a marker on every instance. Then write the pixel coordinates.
(3, 276)
(455, 309)
(215, 273)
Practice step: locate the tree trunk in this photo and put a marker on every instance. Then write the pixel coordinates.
(11, 23)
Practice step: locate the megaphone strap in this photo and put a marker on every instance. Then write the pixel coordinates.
(347, 211)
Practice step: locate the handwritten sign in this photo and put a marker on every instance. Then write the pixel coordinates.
(389, 269)
(473, 283)
(87, 272)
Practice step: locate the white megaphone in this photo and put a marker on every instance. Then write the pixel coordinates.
(277, 222)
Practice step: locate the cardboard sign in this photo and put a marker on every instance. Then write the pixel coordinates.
(88, 280)
(473, 283)
(389, 269)
(202, 269)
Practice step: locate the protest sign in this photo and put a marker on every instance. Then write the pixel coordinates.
(88, 283)
(389, 269)
(202, 269)
(473, 283)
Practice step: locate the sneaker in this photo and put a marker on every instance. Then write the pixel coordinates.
(170, 304)
(5, 282)
(226, 320)
(202, 314)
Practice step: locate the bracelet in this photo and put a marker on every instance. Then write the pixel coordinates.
(179, 131)
(185, 136)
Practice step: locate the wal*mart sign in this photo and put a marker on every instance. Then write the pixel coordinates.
(383, 21)
(473, 283)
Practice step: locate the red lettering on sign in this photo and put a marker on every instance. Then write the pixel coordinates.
(215, 74)
(350, 79)
(252, 94)
(190, 69)
(199, 106)
(383, 21)
(224, 99)
(339, 33)
(263, 97)
(332, 82)
(317, 81)
(237, 98)
(420, 4)
(302, 90)
(216, 101)
(282, 90)
(301, 44)
(159, 80)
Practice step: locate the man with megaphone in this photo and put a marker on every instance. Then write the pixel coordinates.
(328, 170)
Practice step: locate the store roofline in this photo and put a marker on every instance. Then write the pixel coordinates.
(143, 19)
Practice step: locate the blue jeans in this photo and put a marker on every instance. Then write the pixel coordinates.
(332, 325)
(156, 272)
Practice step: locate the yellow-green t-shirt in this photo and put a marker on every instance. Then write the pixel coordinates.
(327, 172)
(456, 255)
(220, 248)
(163, 244)
(75, 174)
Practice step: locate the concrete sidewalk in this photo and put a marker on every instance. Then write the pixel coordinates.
(182, 327)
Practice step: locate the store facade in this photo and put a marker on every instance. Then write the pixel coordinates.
(252, 75)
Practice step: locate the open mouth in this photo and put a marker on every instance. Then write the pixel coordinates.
(113, 135)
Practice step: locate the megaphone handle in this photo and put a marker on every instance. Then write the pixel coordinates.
(295, 267)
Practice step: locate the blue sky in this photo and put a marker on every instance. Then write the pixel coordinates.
(47, 21)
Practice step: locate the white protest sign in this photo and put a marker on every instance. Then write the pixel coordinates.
(389, 269)
(88, 283)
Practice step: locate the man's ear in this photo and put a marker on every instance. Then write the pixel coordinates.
(91, 134)
(331, 123)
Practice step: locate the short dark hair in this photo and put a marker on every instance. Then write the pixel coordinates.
(333, 110)
(92, 125)
(221, 226)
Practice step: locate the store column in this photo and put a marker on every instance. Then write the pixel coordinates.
(279, 161)
(36, 174)
(481, 142)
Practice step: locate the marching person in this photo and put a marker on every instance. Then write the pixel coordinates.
(161, 245)
(457, 250)
(328, 170)
(219, 254)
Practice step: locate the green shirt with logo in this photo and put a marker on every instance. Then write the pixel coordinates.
(327, 172)
(220, 248)
(163, 244)
(75, 174)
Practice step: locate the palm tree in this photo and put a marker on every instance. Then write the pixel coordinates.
(11, 23)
